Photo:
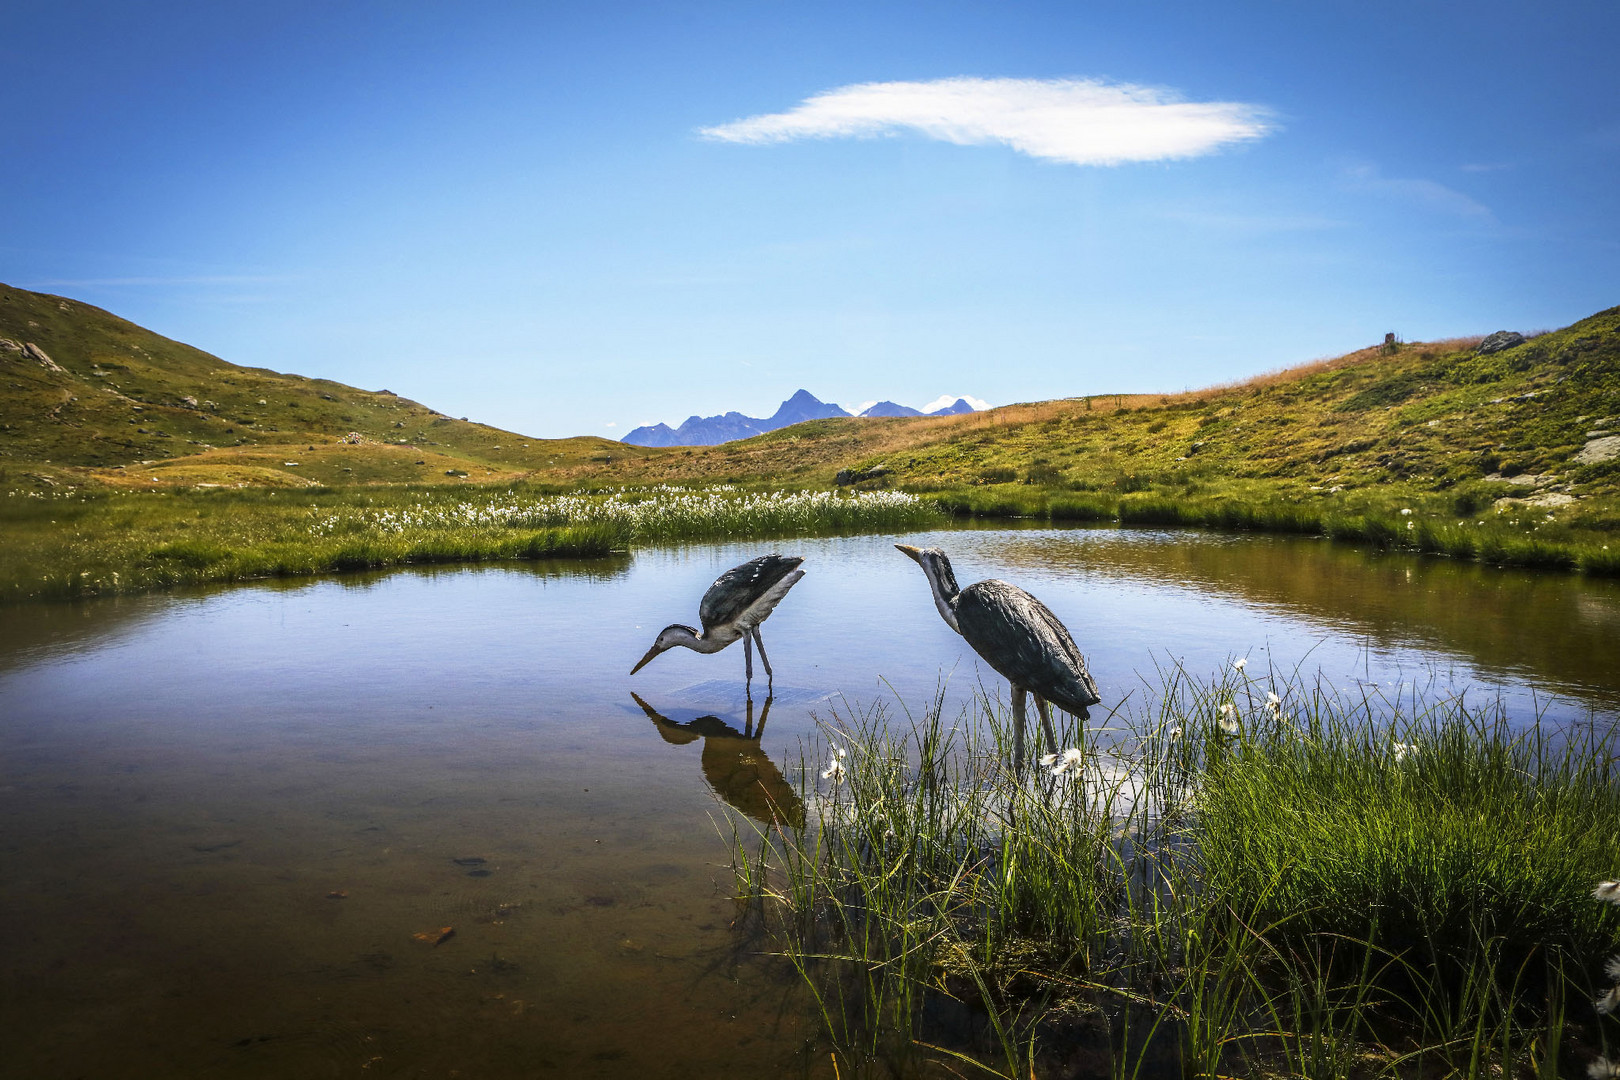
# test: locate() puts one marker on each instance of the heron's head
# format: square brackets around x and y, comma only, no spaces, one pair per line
[940,579]
[670,636]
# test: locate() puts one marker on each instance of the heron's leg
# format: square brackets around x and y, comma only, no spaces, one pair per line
[1046,722]
[1019,695]
[762,657]
[748,659]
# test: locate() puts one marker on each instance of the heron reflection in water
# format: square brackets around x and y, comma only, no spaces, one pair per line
[734,763]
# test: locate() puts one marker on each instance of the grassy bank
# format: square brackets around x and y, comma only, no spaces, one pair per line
[94,542]
[1241,878]
[1467,524]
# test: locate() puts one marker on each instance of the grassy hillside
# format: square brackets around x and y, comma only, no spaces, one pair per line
[141,461]
[1431,420]
[90,397]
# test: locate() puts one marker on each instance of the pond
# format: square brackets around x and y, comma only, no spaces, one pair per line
[424,823]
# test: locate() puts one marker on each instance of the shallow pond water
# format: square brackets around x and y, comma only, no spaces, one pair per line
[239,822]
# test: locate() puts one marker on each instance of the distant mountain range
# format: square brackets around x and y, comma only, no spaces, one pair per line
[802,406]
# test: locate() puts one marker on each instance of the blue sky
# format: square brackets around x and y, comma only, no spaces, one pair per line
[571,219]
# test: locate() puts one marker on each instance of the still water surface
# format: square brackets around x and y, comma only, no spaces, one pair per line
[236,822]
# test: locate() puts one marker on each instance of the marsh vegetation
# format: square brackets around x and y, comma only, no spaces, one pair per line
[1234,876]
[85,542]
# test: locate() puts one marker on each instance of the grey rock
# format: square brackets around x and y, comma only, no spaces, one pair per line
[846,477]
[1502,339]
[30,349]
[1602,449]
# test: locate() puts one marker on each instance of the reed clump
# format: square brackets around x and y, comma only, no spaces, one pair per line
[1236,876]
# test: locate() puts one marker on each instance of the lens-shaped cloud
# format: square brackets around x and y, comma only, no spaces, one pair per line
[1076,121]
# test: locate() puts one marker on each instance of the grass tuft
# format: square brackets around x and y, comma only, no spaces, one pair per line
[1242,876]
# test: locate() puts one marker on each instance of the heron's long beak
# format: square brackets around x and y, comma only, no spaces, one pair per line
[915,553]
[652,652]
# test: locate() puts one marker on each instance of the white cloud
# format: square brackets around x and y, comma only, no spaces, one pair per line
[950,399]
[1076,121]
[1427,193]
[611,423]
[863,406]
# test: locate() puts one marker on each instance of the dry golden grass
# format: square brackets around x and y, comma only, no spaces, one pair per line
[811,450]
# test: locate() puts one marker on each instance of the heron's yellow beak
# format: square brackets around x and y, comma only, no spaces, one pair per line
[914,553]
[652,652]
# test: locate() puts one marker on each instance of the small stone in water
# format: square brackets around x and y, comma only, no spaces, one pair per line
[437,937]
[480,872]
[471,860]
[338,894]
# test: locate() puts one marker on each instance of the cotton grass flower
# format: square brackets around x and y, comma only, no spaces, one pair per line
[1402,750]
[1240,663]
[1603,1069]
[1228,721]
[1607,891]
[1612,968]
[1069,760]
[1607,1002]
[835,767]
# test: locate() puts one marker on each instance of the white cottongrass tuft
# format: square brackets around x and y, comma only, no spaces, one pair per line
[1240,663]
[1403,749]
[1229,723]
[1603,1069]
[1070,759]
[835,768]
[660,511]
[1612,968]
[1607,1002]
[1406,513]
[1607,891]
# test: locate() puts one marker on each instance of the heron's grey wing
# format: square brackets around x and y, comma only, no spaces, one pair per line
[1021,638]
[738,588]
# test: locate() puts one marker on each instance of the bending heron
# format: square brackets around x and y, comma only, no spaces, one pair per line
[733,608]
[1018,636]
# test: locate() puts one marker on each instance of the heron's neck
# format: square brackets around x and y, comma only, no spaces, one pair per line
[709,643]
[943,585]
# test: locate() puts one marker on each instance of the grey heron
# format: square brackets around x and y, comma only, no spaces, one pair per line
[1018,636]
[732,608]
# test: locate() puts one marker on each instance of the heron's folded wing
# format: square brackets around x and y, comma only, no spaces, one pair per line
[738,588]
[1020,637]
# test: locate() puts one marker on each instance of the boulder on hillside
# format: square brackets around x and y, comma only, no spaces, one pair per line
[1502,339]
[39,354]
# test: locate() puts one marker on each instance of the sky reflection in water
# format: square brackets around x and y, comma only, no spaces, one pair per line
[187,779]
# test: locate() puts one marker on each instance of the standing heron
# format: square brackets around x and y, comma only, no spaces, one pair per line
[1018,636]
[733,608]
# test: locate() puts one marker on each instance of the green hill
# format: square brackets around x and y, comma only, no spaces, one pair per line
[143,462]
[1535,422]
[90,397]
